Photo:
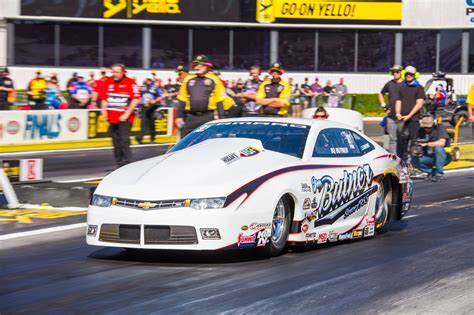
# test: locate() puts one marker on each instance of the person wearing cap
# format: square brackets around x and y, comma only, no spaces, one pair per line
[470,104]
[433,138]
[6,87]
[341,92]
[274,94]
[95,101]
[150,101]
[410,99]
[391,88]
[81,93]
[71,81]
[200,95]
[36,92]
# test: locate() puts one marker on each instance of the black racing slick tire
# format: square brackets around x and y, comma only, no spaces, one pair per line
[280,227]
[383,203]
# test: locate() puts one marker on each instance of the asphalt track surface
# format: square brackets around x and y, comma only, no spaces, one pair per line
[423,264]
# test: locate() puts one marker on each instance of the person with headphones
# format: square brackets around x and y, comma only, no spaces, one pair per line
[120,95]
[201,95]
[407,111]
[274,94]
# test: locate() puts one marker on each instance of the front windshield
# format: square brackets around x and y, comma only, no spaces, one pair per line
[279,137]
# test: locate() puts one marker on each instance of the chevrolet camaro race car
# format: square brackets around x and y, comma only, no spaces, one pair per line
[250,183]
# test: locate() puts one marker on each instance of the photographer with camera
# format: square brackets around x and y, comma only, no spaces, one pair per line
[428,154]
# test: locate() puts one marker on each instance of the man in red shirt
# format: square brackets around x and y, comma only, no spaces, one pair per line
[119,96]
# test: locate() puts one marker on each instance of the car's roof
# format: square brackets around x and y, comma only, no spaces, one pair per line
[290,120]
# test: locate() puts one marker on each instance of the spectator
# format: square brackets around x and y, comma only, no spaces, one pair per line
[391,87]
[432,138]
[81,93]
[321,113]
[296,101]
[150,101]
[407,110]
[306,93]
[92,81]
[249,93]
[470,104]
[71,80]
[341,92]
[53,95]
[439,98]
[327,91]
[95,101]
[6,87]
[170,92]
[274,95]
[36,92]
[120,95]
[316,90]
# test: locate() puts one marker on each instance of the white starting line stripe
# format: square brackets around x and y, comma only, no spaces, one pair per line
[411,216]
[90,179]
[42,231]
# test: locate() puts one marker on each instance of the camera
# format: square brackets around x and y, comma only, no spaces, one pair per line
[416,149]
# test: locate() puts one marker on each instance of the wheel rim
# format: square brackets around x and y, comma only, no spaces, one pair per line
[279,221]
[384,200]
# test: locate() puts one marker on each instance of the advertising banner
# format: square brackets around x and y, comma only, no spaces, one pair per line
[98,127]
[20,127]
[321,11]
[243,11]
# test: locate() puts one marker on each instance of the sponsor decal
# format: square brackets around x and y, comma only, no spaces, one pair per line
[314,203]
[260,226]
[263,237]
[332,237]
[244,228]
[146,205]
[345,236]
[357,206]
[305,187]
[13,127]
[369,230]
[359,233]
[230,158]
[304,227]
[207,82]
[470,10]
[307,204]
[331,194]
[312,216]
[249,151]
[311,236]
[370,220]
[73,124]
[322,238]
[246,240]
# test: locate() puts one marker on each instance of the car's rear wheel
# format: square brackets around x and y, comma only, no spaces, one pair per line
[280,227]
[383,203]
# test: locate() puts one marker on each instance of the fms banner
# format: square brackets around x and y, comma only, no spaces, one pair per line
[388,12]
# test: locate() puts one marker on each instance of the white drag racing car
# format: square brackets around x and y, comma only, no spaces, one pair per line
[252,182]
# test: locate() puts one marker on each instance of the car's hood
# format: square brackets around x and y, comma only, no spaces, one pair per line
[213,168]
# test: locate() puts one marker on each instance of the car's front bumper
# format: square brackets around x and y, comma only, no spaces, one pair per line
[179,228]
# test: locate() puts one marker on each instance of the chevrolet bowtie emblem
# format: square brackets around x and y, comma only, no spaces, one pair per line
[146,205]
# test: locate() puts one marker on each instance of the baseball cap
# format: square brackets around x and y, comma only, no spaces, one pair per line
[276,66]
[396,68]
[203,60]
[149,77]
[4,70]
[427,122]
[410,69]
[81,75]
[181,68]
[38,71]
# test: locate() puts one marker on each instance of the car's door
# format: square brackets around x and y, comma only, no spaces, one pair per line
[342,186]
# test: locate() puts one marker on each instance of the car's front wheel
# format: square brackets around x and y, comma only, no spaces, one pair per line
[383,203]
[280,227]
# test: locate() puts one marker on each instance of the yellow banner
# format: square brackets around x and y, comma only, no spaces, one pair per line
[270,10]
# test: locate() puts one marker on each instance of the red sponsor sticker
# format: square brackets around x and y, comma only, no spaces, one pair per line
[13,127]
[305,228]
[73,124]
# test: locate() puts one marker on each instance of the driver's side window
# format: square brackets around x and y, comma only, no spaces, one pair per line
[336,142]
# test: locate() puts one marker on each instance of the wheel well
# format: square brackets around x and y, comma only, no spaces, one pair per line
[395,209]
[291,201]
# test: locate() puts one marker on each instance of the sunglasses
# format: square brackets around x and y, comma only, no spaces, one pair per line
[411,74]
[320,116]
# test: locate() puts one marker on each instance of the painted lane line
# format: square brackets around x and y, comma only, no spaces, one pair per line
[42,231]
[82,149]
[411,216]
[27,206]
[79,180]
[459,170]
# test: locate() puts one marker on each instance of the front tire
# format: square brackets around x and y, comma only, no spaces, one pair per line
[280,227]
[383,203]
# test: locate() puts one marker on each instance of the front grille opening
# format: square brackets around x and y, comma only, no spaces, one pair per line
[120,233]
[171,235]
